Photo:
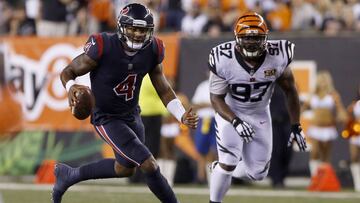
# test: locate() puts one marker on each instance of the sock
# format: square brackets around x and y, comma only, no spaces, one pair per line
[314,165]
[96,170]
[240,171]
[169,170]
[220,182]
[355,172]
[160,187]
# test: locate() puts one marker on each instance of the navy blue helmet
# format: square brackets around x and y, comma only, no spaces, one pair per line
[135,26]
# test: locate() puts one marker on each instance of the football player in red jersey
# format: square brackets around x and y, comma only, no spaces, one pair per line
[117,64]
[242,79]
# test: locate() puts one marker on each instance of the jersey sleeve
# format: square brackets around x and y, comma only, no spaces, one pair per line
[94,47]
[159,49]
[289,51]
[218,85]
[211,62]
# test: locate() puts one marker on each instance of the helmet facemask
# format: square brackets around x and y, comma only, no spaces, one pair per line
[251,35]
[135,37]
[252,46]
[135,26]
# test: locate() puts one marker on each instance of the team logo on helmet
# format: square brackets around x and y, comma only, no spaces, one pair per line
[124,11]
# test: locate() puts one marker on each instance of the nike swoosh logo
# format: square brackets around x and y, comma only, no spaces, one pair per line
[92,41]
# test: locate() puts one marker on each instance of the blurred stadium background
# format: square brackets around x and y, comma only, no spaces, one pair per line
[39,37]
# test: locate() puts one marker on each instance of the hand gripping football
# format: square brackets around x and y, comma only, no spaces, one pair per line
[86,101]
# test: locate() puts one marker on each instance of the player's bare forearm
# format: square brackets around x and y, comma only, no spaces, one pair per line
[79,66]
[287,84]
[161,85]
[219,105]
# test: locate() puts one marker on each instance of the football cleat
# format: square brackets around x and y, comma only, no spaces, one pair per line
[65,177]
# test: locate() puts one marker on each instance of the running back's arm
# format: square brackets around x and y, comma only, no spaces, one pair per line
[79,66]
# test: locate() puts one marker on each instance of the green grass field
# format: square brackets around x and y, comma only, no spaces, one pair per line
[27,193]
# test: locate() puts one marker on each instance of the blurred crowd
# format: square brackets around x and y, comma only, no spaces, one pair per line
[190,17]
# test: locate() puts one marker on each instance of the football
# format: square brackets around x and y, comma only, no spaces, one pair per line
[84,107]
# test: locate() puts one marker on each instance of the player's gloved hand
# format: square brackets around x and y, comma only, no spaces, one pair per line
[297,135]
[243,129]
[190,119]
[74,92]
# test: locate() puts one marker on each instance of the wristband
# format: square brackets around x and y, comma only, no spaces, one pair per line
[69,84]
[176,108]
[236,121]
[296,127]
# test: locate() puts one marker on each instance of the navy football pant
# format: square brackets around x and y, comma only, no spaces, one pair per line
[127,140]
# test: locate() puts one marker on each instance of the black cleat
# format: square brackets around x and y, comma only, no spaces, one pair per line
[65,177]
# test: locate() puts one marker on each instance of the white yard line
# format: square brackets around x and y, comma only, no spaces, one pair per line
[186,191]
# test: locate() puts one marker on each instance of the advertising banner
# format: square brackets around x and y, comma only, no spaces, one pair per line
[32,95]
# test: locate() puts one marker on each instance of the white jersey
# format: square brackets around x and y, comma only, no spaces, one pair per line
[248,89]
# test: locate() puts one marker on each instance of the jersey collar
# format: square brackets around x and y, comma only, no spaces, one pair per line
[243,64]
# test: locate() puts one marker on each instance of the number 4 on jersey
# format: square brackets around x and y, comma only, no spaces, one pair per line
[126,87]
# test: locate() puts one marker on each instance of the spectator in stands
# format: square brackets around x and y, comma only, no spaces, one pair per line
[215,25]
[194,21]
[102,16]
[232,8]
[32,13]
[154,6]
[354,132]
[78,18]
[5,17]
[334,21]
[52,20]
[327,108]
[279,17]
[205,133]
[304,16]
[174,13]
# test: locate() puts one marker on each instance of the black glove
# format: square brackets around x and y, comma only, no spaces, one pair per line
[243,129]
[298,136]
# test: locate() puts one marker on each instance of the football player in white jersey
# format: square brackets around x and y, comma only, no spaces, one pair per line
[242,79]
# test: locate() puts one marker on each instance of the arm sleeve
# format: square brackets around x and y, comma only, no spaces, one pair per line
[218,85]
[94,47]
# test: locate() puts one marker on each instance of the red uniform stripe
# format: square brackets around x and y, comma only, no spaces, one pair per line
[103,134]
[100,42]
[160,46]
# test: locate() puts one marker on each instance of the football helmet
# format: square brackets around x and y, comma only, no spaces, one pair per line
[135,26]
[251,35]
